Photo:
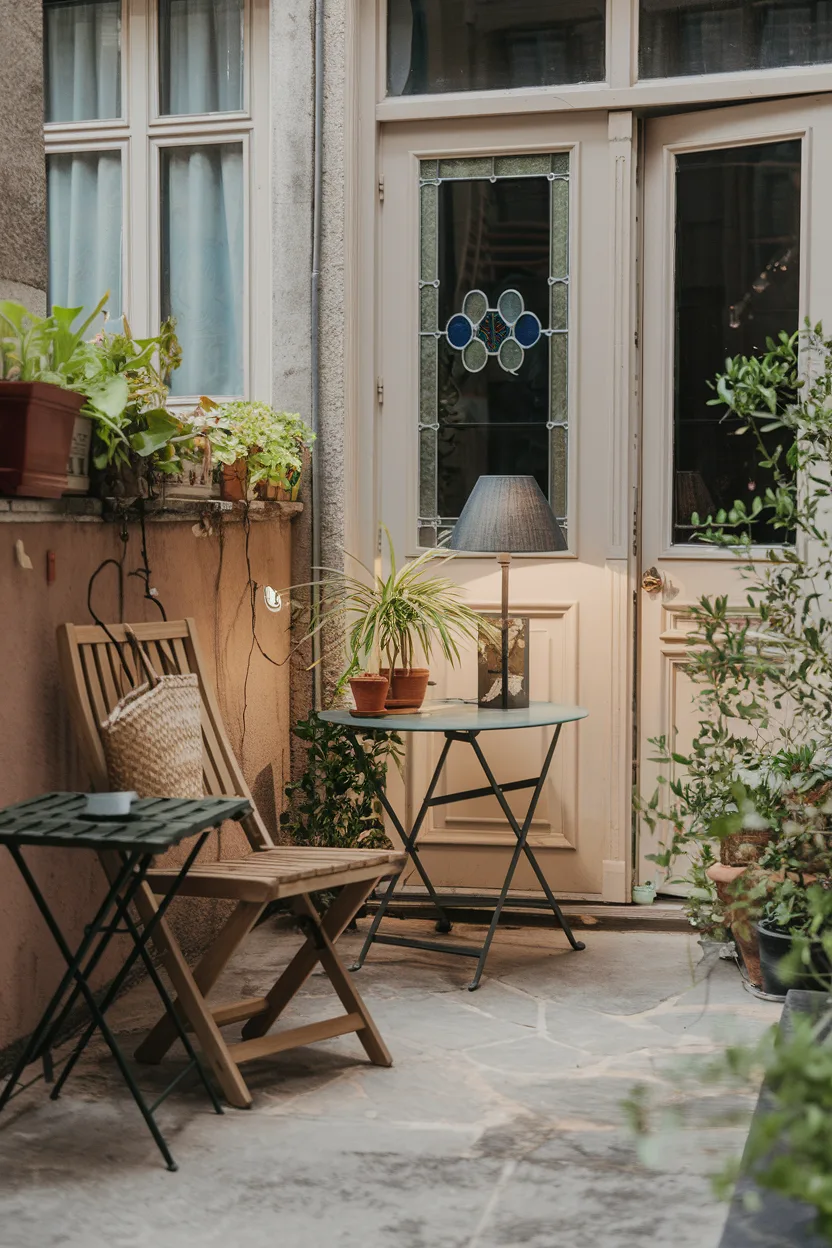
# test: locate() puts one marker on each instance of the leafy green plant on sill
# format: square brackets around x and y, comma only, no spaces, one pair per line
[270,442]
[122,378]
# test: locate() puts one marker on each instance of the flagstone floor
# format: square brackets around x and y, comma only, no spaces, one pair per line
[499,1126]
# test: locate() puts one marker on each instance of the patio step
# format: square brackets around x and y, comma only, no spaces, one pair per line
[530,910]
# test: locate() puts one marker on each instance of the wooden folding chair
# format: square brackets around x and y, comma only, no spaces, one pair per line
[93,667]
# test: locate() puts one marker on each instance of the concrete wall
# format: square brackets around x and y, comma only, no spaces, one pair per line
[203,577]
[23,260]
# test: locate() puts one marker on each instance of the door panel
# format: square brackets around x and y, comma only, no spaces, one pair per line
[734,250]
[477,217]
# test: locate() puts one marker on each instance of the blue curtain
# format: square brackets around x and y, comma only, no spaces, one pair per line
[202,264]
[85,230]
[201,56]
[82,56]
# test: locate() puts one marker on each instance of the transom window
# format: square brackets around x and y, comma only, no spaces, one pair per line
[149,185]
[494,304]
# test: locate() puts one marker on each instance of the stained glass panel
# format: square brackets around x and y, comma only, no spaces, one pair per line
[493,309]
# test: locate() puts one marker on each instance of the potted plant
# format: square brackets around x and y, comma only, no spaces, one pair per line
[410,610]
[38,412]
[115,381]
[259,448]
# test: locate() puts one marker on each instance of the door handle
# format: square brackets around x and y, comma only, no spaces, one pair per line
[652,581]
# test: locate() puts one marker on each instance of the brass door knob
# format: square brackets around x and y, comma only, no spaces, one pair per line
[652,581]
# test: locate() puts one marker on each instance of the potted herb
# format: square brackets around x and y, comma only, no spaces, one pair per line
[38,412]
[259,448]
[411,610]
[116,381]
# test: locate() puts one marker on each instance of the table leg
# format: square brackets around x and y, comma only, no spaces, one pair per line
[136,952]
[40,1040]
[95,1010]
[410,848]
[522,846]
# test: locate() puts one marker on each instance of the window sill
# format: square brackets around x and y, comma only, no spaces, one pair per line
[94,511]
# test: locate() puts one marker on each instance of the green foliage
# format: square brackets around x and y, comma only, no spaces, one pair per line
[271,442]
[763,673]
[393,615]
[123,378]
[334,803]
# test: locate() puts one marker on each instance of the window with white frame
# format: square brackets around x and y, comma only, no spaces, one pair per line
[154,115]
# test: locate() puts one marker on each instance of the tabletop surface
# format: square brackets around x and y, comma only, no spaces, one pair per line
[153,825]
[461,717]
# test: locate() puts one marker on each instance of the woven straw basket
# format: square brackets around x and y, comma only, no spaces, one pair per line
[152,738]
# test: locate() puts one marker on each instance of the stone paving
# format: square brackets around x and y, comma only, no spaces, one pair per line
[499,1126]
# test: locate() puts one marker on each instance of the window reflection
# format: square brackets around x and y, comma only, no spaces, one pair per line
[737,283]
[716,37]
[487,45]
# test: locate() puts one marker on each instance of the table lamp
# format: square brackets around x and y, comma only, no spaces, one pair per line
[507,516]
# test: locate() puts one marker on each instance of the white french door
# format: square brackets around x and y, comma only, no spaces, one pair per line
[495,218]
[736,247]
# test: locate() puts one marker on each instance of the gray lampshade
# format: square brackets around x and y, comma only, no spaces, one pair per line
[508,514]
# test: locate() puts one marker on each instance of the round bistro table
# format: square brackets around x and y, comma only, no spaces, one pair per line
[463,722]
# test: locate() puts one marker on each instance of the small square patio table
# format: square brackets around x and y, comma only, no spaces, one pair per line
[128,844]
[463,722]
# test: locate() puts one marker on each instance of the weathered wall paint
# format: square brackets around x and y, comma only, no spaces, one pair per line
[201,577]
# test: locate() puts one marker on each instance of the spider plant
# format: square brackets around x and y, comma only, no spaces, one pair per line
[413,608]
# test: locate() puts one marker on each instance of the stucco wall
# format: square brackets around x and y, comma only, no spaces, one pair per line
[202,577]
[22,165]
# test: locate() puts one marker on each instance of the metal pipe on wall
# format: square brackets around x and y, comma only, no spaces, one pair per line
[314,416]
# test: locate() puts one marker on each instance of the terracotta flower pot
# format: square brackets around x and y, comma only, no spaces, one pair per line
[369,693]
[36,425]
[233,483]
[740,921]
[408,687]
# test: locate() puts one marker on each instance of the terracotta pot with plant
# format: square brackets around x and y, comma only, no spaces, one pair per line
[259,449]
[387,620]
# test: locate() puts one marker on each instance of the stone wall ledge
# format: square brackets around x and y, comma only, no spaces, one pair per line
[94,511]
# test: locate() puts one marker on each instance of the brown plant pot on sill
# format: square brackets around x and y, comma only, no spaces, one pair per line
[272,493]
[233,483]
[369,693]
[36,424]
[408,687]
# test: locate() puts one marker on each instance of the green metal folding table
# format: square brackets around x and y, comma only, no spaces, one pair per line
[59,821]
[464,722]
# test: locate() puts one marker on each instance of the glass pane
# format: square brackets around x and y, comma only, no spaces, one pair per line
[82,60]
[737,283]
[480,45]
[493,374]
[678,37]
[202,264]
[200,56]
[85,230]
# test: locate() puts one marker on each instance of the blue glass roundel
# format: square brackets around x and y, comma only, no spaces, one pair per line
[460,331]
[527,329]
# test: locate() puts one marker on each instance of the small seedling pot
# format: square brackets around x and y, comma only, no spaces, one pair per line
[369,693]
[644,894]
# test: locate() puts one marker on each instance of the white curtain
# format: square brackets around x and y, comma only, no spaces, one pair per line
[202,264]
[85,230]
[83,60]
[202,56]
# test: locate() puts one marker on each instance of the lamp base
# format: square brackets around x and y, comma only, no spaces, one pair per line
[490,666]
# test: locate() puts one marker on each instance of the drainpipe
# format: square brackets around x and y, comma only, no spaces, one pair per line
[317,215]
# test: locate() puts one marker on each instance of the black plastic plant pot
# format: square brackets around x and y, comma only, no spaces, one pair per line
[774,946]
